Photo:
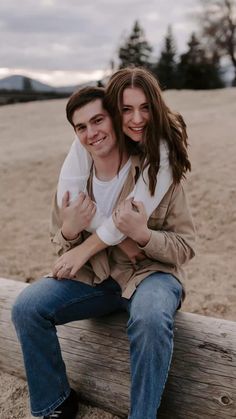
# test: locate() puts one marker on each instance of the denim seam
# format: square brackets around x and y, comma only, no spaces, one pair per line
[167,375]
[52,407]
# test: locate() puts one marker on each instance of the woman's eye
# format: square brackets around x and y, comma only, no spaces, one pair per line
[145,108]
[124,109]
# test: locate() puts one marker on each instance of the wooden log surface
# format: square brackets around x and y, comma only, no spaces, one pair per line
[202,379]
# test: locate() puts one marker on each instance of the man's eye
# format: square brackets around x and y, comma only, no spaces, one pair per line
[80,129]
[98,120]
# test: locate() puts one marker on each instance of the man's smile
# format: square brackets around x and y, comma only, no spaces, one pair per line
[97,142]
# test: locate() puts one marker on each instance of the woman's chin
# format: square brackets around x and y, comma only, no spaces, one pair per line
[136,138]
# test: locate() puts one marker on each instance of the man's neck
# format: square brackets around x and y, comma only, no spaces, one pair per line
[106,167]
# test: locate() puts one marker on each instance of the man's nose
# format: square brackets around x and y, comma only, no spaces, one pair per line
[91,131]
[137,116]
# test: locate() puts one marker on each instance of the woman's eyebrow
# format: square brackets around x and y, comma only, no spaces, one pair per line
[130,106]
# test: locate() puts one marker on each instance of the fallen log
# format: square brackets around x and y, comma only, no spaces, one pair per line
[202,379]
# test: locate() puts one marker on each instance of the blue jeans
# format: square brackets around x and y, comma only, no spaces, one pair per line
[49,302]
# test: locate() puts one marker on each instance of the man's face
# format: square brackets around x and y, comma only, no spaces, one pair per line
[94,128]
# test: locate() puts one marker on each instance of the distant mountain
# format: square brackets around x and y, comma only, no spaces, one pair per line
[22,83]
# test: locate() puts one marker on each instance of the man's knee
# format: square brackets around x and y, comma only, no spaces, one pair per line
[154,304]
[150,320]
[22,307]
[27,305]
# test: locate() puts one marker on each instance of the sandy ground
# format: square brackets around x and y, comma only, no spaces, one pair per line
[34,140]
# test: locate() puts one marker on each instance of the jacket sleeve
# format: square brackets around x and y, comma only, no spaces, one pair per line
[57,239]
[174,242]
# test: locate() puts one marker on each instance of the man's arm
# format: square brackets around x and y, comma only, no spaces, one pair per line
[69,263]
[175,245]
[67,224]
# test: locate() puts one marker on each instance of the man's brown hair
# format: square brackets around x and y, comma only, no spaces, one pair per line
[82,98]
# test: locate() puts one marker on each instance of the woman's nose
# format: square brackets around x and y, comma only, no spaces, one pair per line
[137,116]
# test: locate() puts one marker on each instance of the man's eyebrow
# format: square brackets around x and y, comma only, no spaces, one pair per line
[96,116]
[82,124]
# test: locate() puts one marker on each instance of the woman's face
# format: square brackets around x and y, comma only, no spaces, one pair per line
[135,113]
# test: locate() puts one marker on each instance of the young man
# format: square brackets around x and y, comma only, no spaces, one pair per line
[149,290]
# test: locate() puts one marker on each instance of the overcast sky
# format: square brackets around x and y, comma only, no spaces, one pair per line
[70,41]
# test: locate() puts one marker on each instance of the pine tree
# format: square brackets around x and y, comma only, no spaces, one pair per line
[197,70]
[136,50]
[217,21]
[166,67]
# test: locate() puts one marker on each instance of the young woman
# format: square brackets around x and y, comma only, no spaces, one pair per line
[140,116]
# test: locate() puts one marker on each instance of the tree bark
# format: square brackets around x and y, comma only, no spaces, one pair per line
[202,378]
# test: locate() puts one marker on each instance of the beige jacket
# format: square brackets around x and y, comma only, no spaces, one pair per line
[170,247]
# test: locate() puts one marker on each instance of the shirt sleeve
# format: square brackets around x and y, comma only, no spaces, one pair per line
[164,181]
[74,173]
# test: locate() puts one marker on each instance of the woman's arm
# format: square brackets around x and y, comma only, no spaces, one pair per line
[73,178]
[108,232]
[74,175]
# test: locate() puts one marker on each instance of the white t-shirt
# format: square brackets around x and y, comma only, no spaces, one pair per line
[106,193]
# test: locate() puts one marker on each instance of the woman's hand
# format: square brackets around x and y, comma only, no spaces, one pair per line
[77,216]
[130,218]
[70,263]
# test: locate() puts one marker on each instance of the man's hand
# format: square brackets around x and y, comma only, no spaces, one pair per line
[131,219]
[77,216]
[130,248]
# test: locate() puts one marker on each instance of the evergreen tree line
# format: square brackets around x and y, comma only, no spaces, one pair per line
[197,68]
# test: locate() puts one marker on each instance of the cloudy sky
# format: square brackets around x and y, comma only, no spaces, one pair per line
[71,41]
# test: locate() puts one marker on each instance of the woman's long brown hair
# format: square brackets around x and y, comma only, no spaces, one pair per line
[163,123]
